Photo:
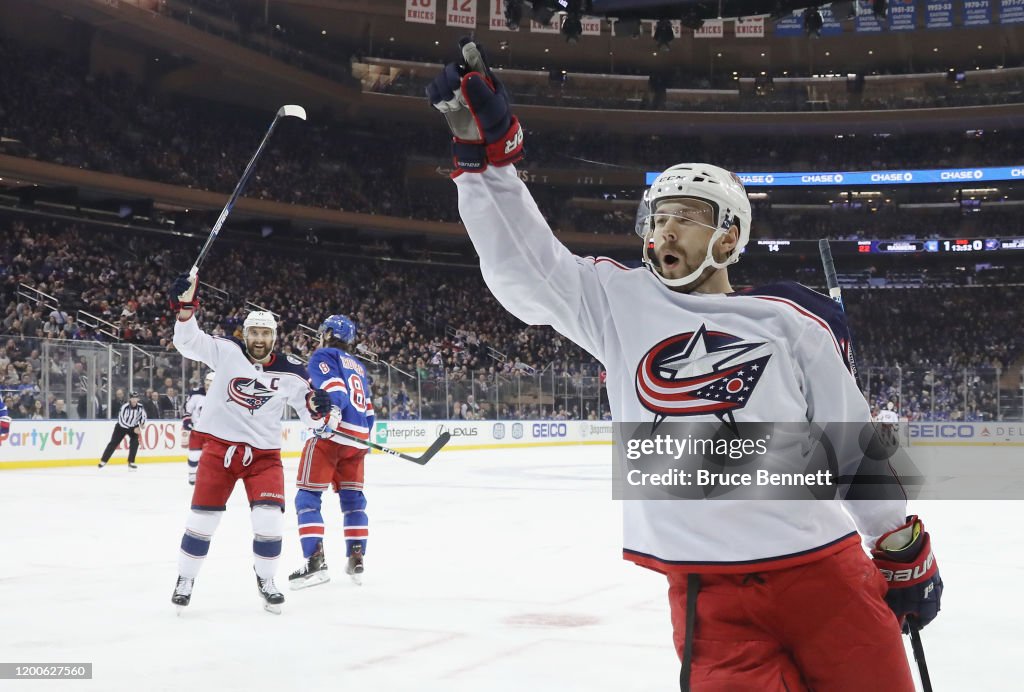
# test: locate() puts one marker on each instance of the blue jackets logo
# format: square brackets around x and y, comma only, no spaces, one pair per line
[498,431]
[549,430]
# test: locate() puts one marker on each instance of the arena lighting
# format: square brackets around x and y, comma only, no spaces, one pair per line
[663,33]
[813,22]
[513,14]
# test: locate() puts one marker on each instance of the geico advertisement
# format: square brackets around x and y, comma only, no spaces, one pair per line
[979,433]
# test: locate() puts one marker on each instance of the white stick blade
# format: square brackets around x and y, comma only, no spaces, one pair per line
[293,111]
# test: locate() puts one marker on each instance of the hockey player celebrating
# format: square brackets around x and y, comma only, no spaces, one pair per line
[241,425]
[194,409]
[767,595]
[329,460]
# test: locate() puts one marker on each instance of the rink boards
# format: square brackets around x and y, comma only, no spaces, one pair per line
[44,443]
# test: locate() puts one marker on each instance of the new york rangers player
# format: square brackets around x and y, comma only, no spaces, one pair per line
[5,421]
[241,425]
[764,594]
[193,410]
[331,461]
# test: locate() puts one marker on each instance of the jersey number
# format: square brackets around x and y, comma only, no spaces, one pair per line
[356,394]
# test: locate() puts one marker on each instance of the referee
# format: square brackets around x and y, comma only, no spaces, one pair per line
[129,422]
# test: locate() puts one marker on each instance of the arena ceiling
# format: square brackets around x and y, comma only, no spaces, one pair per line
[379,26]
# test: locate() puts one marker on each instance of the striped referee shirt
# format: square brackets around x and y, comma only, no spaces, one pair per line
[131,416]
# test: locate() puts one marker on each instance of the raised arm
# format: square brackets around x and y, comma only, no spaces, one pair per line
[530,273]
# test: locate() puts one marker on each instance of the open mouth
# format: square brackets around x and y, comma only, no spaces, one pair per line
[669,261]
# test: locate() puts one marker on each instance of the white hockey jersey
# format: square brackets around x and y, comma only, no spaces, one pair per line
[625,318]
[246,401]
[194,406]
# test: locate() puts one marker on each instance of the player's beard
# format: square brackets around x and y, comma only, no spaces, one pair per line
[259,351]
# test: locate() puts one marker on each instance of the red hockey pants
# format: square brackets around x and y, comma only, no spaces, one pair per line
[821,627]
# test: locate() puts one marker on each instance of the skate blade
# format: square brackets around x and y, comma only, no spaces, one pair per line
[311,580]
[179,609]
[272,608]
[357,578]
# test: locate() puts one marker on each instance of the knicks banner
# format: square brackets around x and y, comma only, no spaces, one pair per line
[749,27]
[549,28]
[712,28]
[421,11]
[591,25]
[497,19]
[461,13]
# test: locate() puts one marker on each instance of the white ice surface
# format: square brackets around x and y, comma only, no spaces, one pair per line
[486,571]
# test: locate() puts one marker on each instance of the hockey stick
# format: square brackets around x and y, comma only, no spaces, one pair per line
[918,647]
[282,112]
[422,459]
[834,291]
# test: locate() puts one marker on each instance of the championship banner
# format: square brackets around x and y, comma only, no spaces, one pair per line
[793,25]
[902,15]
[977,12]
[831,26]
[867,22]
[749,27]
[421,11]
[712,28]
[1011,11]
[591,25]
[938,15]
[790,25]
[461,13]
[497,21]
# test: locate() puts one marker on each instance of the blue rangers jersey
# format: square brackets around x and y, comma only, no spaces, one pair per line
[5,419]
[344,379]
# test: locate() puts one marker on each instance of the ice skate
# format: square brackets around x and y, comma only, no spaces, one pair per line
[101,464]
[182,592]
[191,476]
[312,573]
[355,565]
[272,598]
[132,465]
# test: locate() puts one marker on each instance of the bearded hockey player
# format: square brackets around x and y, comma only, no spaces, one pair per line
[241,427]
[764,594]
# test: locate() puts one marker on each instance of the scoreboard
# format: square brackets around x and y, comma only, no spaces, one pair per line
[872,247]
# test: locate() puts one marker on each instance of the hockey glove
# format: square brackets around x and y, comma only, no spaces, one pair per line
[183,293]
[477,108]
[904,556]
[319,403]
[186,423]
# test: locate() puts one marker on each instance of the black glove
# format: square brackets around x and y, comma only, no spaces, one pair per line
[477,108]
[905,558]
[319,403]
[183,292]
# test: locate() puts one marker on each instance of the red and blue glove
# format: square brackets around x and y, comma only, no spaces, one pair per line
[905,557]
[478,111]
[183,293]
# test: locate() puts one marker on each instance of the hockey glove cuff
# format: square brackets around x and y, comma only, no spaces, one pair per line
[905,558]
[183,293]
